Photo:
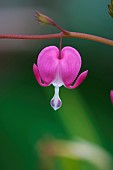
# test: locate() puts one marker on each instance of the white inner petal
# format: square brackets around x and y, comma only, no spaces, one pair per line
[58,81]
[56,101]
[56,95]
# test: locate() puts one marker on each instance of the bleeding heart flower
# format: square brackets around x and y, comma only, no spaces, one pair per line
[111,96]
[58,68]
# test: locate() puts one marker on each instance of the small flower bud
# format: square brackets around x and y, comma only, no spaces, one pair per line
[43,18]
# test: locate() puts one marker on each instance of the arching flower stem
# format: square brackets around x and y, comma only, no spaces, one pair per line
[59,35]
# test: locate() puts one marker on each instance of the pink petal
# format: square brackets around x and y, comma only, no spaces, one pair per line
[37,75]
[69,65]
[111,96]
[47,63]
[79,80]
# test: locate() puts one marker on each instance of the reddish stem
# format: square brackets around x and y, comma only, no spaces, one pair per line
[60,47]
[31,37]
[59,35]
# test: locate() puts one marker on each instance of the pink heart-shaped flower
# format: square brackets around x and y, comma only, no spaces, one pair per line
[59,68]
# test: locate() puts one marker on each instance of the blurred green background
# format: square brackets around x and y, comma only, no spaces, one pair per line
[25,113]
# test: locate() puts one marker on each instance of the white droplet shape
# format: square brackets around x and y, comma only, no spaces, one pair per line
[56,101]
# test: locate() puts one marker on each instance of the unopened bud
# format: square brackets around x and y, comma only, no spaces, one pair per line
[43,18]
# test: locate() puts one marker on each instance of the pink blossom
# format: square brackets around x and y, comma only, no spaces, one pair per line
[111,96]
[59,68]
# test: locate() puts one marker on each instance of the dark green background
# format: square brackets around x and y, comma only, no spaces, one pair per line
[25,114]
